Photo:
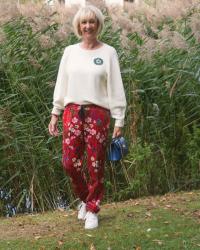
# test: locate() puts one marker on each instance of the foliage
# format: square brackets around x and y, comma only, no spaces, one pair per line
[162,124]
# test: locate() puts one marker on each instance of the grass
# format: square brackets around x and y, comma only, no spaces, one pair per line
[160,222]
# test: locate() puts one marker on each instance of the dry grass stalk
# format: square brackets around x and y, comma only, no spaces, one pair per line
[2,36]
[160,9]
[173,38]
[8,10]
[133,19]
[195,25]
[47,16]
[46,41]
[168,39]
[99,4]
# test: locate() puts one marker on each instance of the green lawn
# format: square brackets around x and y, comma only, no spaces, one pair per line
[162,222]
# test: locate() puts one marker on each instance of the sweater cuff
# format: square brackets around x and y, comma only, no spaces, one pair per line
[56,111]
[119,122]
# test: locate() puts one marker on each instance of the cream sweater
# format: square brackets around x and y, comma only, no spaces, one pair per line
[90,77]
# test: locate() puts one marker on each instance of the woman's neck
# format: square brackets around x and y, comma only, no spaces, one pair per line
[90,44]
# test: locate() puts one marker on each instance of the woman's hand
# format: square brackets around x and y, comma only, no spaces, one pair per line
[53,129]
[117,132]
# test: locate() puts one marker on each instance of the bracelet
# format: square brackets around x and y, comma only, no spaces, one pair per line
[54,115]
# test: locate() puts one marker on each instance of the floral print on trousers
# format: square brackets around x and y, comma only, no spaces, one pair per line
[85,134]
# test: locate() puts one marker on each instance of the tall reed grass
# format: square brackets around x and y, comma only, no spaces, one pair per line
[163,114]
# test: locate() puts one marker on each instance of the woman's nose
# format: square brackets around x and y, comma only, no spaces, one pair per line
[87,25]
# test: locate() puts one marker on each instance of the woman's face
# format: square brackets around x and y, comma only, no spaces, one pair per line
[88,27]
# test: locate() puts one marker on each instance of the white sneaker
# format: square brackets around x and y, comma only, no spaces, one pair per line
[82,211]
[91,220]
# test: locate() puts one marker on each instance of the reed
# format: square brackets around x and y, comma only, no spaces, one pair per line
[161,75]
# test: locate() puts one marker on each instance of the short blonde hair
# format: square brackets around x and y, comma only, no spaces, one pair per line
[87,12]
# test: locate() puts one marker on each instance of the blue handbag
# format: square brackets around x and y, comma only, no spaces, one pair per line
[117,149]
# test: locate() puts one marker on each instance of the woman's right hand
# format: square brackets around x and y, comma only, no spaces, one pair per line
[53,128]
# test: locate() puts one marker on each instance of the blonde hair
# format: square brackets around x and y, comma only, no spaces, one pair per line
[87,12]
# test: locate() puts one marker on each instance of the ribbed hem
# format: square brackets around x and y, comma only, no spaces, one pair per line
[56,111]
[119,122]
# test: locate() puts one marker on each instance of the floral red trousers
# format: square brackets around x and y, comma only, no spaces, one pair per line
[85,134]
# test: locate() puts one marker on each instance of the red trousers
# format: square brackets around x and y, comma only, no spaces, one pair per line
[85,134]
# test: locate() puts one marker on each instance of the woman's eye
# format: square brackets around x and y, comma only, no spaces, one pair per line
[92,21]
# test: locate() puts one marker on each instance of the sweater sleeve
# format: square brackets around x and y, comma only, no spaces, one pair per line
[115,89]
[61,85]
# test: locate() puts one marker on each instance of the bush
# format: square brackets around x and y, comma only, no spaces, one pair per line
[162,124]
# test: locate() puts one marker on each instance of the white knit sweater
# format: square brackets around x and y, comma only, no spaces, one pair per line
[90,77]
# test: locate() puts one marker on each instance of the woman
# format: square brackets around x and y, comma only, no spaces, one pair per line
[89,89]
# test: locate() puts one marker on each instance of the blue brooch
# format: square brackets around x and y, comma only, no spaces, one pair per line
[98,61]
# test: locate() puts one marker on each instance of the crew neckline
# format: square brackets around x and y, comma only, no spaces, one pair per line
[90,50]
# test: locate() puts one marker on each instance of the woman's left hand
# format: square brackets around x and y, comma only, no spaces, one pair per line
[117,132]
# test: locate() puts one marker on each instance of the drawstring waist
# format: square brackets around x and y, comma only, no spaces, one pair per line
[83,109]
[81,112]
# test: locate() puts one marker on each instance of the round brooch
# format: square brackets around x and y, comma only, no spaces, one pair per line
[98,61]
